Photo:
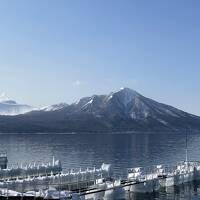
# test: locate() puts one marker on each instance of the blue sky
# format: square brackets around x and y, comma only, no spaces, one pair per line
[58,51]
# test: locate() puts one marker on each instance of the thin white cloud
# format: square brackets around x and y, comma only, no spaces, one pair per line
[77,83]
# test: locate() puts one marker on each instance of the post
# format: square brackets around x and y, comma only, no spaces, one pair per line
[186,150]
[7,190]
[53,163]
[34,185]
[59,182]
[77,181]
[23,188]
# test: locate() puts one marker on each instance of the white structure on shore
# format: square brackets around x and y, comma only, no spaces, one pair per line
[48,180]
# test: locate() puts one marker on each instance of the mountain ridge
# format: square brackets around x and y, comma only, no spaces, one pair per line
[121,111]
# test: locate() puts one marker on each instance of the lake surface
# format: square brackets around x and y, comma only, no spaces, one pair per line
[122,151]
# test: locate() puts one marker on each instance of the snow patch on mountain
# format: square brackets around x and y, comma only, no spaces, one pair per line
[162,121]
[89,102]
[54,107]
[110,97]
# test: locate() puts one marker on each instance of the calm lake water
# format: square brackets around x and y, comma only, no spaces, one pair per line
[122,151]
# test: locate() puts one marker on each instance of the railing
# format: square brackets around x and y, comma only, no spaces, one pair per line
[159,170]
[73,180]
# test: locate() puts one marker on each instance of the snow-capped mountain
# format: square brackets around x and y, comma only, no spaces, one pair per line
[123,110]
[11,107]
[127,104]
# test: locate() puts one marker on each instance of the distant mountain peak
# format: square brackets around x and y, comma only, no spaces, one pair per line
[125,95]
[127,90]
[11,107]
